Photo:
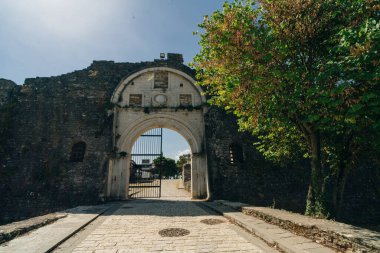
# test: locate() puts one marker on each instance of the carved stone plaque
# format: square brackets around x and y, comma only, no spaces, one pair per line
[161,79]
[135,99]
[185,100]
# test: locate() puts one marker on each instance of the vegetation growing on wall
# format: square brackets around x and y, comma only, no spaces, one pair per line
[302,76]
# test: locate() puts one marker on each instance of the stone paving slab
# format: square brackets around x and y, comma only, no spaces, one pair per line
[135,227]
[343,237]
[14,229]
[47,237]
[272,234]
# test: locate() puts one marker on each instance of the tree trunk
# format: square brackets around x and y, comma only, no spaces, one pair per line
[339,187]
[315,203]
[342,174]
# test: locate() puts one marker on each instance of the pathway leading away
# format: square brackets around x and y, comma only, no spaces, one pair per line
[172,223]
[136,226]
[140,225]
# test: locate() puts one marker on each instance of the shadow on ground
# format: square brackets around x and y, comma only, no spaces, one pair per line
[156,207]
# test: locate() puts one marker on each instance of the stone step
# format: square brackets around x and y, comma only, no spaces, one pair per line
[48,237]
[14,229]
[271,234]
[337,235]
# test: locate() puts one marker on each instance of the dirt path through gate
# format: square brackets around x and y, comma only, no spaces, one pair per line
[171,188]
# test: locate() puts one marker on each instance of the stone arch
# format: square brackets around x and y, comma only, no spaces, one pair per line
[124,83]
[131,122]
[131,134]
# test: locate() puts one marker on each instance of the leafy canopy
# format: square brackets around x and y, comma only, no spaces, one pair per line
[288,68]
[167,166]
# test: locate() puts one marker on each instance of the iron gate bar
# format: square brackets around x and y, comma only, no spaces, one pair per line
[146,155]
[144,182]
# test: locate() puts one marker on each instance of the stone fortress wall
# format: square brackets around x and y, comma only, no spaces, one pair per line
[44,118]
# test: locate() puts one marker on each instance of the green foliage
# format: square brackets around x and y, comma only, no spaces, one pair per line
[167,165]
[183,159]
[303,76]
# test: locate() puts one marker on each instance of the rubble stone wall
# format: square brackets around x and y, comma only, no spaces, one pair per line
[42,120]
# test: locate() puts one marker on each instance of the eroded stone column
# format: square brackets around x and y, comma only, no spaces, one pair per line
[198,176]
[118,178]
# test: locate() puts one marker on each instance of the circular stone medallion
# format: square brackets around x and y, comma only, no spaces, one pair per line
[160,99]
[211,221]
[173,232]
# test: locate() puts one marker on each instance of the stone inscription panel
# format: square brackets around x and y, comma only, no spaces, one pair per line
[185,100]
[161,79]
[135,99]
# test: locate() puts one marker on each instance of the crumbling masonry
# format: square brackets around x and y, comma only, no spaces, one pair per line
[59,143]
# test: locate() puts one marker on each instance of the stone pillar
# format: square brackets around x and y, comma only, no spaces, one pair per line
[198,176]
[109,179]
[125,174]
[118,178]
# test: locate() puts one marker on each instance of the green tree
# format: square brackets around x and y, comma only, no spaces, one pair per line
[354,128]
[167,166]
[300,75]
[183,159]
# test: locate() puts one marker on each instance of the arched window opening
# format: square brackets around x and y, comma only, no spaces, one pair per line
[236,153]
[77,152]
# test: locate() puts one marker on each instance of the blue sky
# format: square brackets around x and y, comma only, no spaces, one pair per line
[53,37]
[173,144]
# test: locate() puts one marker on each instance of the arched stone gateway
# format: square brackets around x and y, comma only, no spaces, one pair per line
[158,97]
[63,144]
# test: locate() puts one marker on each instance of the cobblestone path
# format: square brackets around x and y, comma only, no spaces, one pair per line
[135,225]
[135,228]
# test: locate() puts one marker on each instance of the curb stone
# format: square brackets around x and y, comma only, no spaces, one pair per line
[47,238]
[14,229]
[340,236]
[271,234]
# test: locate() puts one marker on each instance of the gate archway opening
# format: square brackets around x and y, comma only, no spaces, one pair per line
[156,169]
[157,97]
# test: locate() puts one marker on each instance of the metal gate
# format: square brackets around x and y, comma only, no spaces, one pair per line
[145,176]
